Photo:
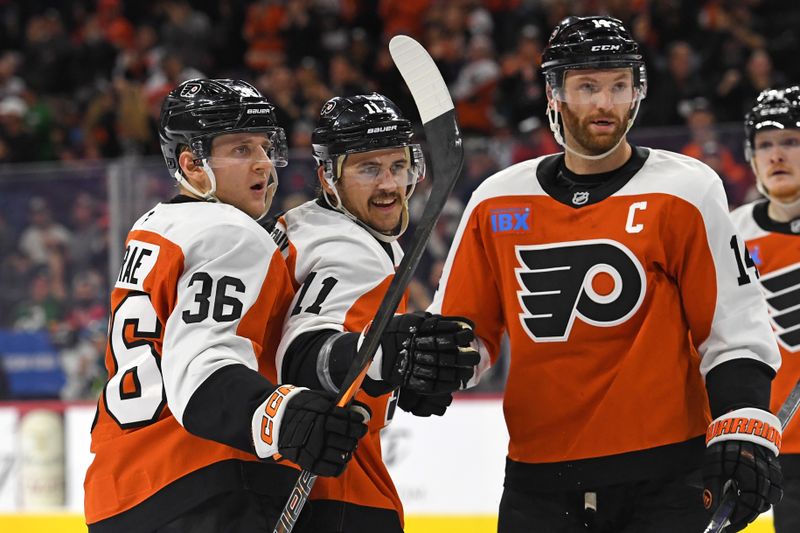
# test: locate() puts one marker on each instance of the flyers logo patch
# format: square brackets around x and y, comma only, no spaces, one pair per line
[601,282]
[190,89]
[783,296]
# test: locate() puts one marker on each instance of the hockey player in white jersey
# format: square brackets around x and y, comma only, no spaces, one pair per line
[192,422]
[342,251]
[771,230]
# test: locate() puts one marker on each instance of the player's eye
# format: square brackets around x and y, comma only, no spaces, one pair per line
[791,142]
[763,145]
[370,171]
[587,87]
[399,167]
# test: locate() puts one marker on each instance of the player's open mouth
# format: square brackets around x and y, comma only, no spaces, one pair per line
[384,203]
[258,186]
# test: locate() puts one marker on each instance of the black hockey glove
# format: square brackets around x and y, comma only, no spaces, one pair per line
[307,428]
[424,404]
[742,457]
[426,353]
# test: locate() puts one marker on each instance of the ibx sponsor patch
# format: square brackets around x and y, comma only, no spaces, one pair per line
[510,219]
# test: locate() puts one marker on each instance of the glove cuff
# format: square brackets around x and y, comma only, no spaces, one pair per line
[376,366]
[747,424]
[267,420]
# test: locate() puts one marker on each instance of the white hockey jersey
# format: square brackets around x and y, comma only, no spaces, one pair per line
[202,288]
[341,273]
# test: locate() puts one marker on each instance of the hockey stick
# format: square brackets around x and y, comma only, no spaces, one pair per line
[721,518]
[447,157]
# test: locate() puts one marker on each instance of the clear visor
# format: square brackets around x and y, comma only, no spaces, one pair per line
[786,140]
[406,169]
[272,150]
[583,86]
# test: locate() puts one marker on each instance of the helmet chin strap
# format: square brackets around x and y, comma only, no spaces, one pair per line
[383,237]
[555,127]
[210,194]
[271,189]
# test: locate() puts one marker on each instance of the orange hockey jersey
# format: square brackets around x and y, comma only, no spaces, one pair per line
[200,297]
[775,249]
[343,273]
[617,299]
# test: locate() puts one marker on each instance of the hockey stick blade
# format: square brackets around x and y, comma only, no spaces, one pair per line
[446,157]
[722,515]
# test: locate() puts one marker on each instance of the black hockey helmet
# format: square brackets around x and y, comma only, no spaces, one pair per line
[198,110]
[597,42]
[361,123]
[774,109]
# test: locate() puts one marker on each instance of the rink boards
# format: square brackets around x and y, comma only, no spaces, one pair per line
[448,471]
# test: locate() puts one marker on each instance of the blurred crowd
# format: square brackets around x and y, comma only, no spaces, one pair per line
[83,81]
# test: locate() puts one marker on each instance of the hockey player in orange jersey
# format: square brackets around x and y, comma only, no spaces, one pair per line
[771,230]
[632,315]
[342,252]
[191,422]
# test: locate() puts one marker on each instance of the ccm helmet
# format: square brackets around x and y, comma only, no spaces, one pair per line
[597,42]
[363,123]
[198,110]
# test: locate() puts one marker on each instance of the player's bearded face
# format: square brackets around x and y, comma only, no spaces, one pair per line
[596,131]
[596,108]
[776,158]
[373,187]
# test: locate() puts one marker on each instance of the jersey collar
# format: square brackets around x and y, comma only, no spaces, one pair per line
[761,216]
[575,190]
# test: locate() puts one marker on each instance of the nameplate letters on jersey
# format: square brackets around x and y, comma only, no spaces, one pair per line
[140,258]
[510,219]
[783,296]
[281,239]
[601,282]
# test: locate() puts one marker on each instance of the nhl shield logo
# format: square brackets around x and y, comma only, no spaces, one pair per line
[328,107]
[190,89]
[580,198]
[794,225]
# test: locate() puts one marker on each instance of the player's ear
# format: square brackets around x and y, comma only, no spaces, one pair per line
[322,181]
[192,171]
[551,102]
